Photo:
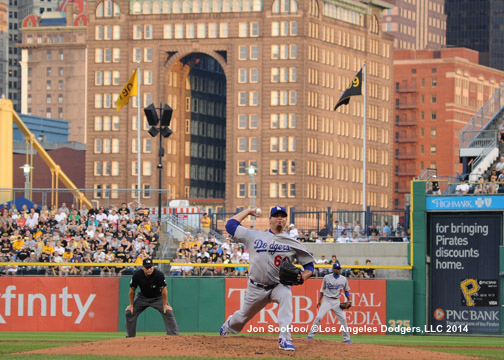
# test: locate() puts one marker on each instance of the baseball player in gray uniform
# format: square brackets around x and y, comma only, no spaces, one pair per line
[331,291]
[267,249]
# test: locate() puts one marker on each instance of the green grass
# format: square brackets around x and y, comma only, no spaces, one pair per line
[15,342]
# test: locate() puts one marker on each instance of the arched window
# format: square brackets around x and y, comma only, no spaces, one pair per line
[107,9]
[227,6]
[167,6]
[156,7]
[236,5]
[217,6]
[196,6]
[314,9]
[137,8]
[186,7]
[247,5]
[147,7]
[177,7]
[207,6]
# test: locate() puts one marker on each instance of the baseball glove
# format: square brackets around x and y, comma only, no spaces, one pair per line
[289,274]
[345,305]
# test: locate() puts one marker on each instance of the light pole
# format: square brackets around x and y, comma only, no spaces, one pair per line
[27,168]
[253,191]
[41,137]
[164,132]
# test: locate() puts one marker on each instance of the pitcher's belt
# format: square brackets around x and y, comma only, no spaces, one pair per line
[265,287]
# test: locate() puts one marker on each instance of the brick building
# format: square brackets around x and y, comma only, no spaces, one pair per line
[54,66]
[251,83]
[417,25]
[436,94]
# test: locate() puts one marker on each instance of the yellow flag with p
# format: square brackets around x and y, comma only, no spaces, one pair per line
[130,89]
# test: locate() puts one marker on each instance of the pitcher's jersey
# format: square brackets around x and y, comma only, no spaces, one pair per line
[332,287]
[266,254]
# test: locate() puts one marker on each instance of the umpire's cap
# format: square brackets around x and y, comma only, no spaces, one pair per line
[336,265]
[278,209]
[147,263]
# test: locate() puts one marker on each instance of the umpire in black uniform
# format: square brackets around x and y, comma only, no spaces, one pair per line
[152,293]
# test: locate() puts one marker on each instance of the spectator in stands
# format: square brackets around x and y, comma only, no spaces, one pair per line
[404,236]
[356,273]
[436,189]
[374,237]
[322,261]
[462,188]
[480,187]
[11,269]
[369,273]
[493,186]
[338,229]
[500,165]
[205,225]
[343,238]
[293,232]
[386,229]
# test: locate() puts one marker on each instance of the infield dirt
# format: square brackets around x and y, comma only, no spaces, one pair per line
[241,346]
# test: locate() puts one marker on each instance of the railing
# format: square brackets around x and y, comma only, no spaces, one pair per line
[490,146]
[481,119]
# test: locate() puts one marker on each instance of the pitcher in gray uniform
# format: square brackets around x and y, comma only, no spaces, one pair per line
[331,292]
[267,249]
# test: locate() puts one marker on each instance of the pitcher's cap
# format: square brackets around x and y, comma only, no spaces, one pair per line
[277,209]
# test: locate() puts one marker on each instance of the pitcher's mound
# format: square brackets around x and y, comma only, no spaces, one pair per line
[242,346]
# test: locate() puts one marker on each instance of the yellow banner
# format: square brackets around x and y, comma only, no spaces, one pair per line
[130,89]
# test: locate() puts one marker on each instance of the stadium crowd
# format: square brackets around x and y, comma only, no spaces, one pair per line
[68,235]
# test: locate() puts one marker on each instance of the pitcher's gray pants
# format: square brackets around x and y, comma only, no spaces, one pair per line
[139,305]
[255,300]
[328,304]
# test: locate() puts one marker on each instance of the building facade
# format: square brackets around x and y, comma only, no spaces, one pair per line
[18,10]
[54,68]
[477,25]
[416,24]
[436,94]
[250,83]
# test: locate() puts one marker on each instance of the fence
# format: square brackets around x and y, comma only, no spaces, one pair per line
[322,222]
[105,197]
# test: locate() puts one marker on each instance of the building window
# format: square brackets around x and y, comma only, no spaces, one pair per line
[241,190]
[433,82]
[433,99]
[433,115]
[433,132]
[433,149]
[242,144]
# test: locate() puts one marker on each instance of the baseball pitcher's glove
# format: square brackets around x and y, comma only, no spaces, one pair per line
[289,274]
[345,305]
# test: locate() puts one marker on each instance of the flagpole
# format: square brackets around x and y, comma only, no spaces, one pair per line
[138,136]
[364,90]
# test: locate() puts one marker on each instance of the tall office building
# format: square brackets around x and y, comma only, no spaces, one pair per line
[477,25]
[250,83]
[436,94]
[18,10]
[54,66]
[416,24]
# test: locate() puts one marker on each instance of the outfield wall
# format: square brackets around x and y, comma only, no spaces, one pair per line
[200,305]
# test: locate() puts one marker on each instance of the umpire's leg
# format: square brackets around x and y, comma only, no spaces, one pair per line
[139,305]
[169,319]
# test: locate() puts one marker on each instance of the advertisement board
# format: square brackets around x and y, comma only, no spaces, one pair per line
[465,272]
[58,304]
[367,315]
